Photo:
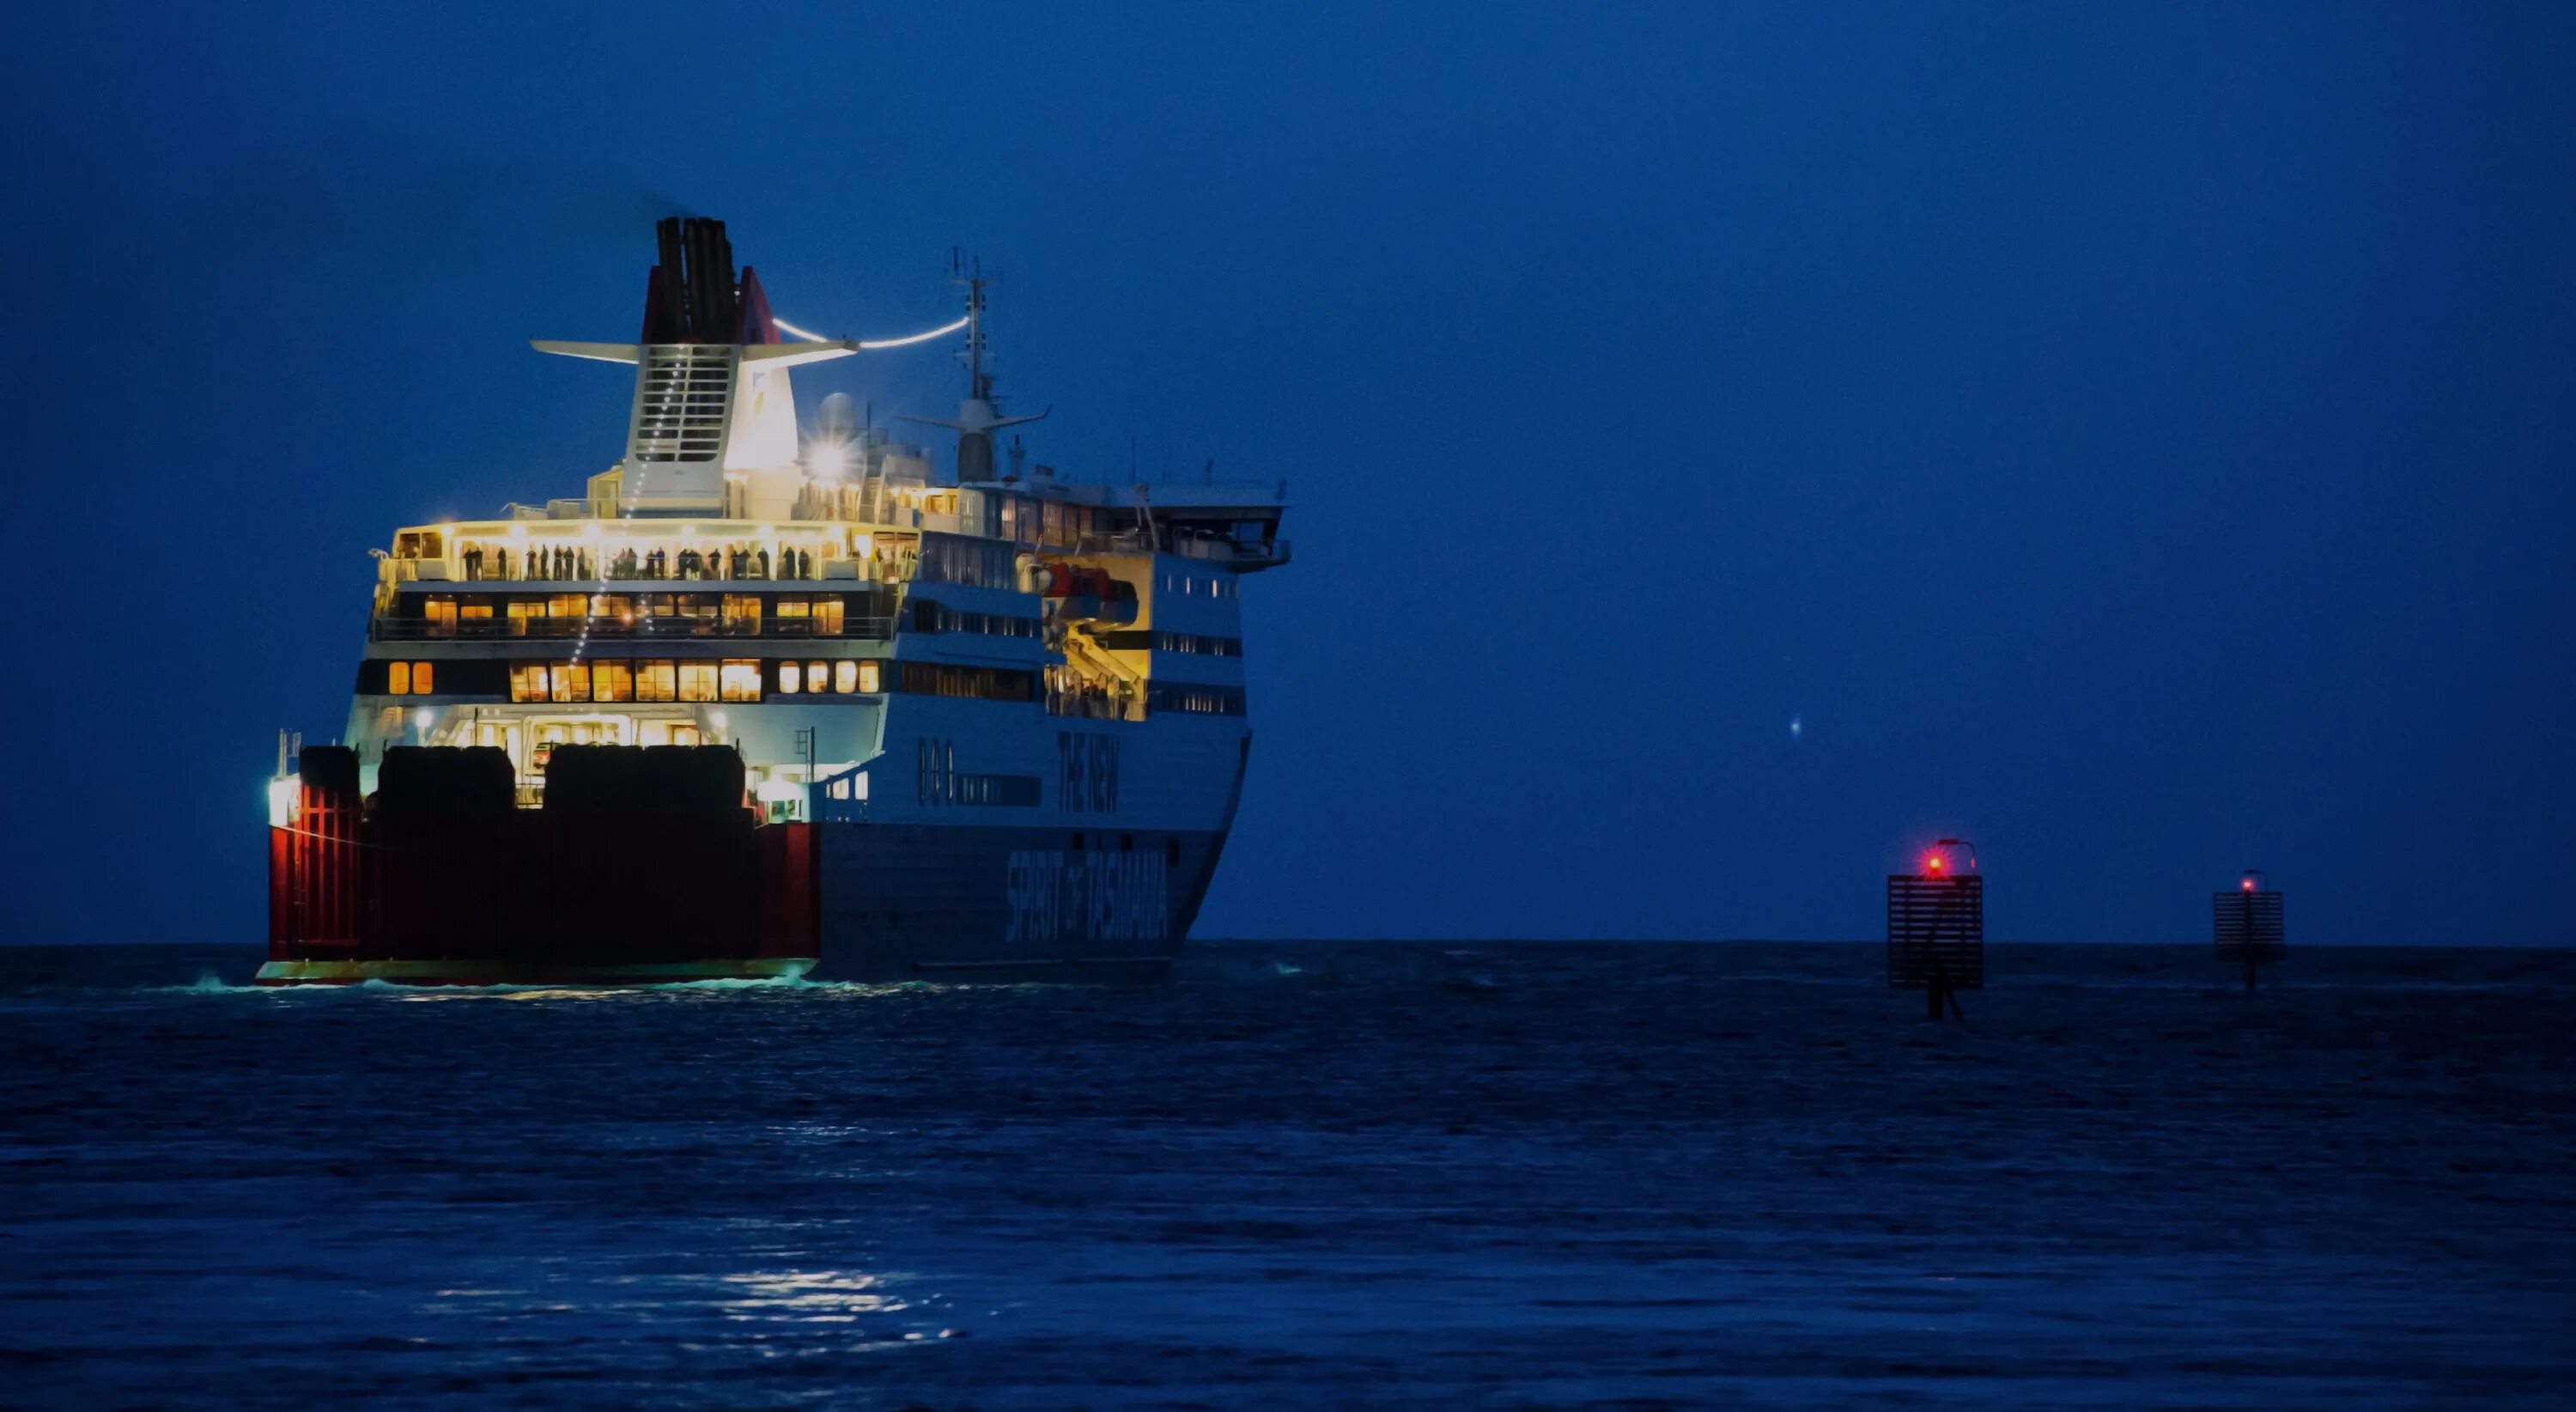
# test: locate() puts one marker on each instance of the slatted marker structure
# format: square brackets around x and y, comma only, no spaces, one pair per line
[1936,927]
[2246,924]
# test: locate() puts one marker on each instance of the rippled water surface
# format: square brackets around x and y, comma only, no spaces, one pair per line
[1302,1174]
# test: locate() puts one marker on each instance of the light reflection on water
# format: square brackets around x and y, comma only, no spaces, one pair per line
[1421,1175]
[819,1297]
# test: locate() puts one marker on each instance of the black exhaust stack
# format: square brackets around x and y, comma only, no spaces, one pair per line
[691,296]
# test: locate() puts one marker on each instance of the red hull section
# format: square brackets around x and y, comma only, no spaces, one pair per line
[625,892]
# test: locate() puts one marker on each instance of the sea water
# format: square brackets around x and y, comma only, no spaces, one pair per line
[1348,1174]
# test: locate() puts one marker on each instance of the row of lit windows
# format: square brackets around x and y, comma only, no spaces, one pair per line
[931,616]
[618,679]
[614,679]
[847,677]
[1184,696]
[1199,585]
[738,612]
[1138,640]
[983,683]
[977,563]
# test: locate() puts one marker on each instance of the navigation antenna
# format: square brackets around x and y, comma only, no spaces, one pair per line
[971,278]
[980,414]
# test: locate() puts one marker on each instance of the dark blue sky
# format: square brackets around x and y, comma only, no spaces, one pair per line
[2136,437]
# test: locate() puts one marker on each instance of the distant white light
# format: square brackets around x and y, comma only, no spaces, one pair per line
[1797,727]
[426,717]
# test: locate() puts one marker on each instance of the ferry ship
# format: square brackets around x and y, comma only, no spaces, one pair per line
[773,698]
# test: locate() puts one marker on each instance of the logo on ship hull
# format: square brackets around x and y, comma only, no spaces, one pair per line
[1058,896]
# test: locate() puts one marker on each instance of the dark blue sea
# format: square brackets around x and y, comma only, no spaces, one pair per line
[1621,1175]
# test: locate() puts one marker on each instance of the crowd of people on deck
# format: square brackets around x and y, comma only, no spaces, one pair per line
[1072,694]
[570,562]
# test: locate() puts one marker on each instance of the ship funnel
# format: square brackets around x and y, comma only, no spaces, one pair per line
[712,399]
[692,295]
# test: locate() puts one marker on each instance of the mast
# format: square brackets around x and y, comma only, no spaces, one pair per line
[979,415]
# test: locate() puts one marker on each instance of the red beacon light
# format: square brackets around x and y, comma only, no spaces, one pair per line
[1941,860]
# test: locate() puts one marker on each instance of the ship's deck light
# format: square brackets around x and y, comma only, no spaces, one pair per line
[283,796]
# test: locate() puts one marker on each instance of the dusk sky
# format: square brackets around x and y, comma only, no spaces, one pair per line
[1729,446]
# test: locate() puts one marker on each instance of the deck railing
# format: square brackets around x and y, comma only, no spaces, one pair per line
[865,629]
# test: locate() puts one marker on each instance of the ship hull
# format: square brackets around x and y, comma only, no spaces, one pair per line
[850,901]
[967,903]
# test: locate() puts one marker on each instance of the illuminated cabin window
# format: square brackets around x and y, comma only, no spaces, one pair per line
[697,681]
[613,607]
[791,678]
[845,677]
[656,681]
[742,614]
[440,612]
[570,682]
[741,680]
[793,615]
[476,610]
[871,677]
[827,616]
[567,605]
[521,610]
[527,681]
[612,681]
[818,676]
[420,678]
[398,678]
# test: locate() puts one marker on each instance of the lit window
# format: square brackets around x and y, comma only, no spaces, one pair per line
[441,613]
[741,680]
[685,733]
[697,681]
[612,681]
[845,676]
[398,678]
[815,675]
[790,608]
[571,683]
[527,681]
[791,678]
[742,614]
[870,679]
[419,678]
[827,616]
[655,681]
